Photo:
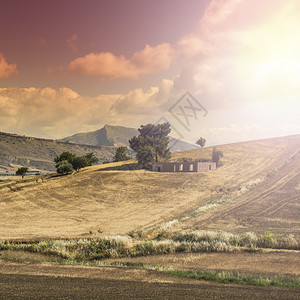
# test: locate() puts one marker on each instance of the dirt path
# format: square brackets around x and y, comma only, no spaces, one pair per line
[36,281]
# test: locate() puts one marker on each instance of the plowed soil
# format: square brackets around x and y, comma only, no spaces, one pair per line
[47,281]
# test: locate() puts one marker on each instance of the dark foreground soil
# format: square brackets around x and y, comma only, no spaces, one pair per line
[49,281]
[39,286]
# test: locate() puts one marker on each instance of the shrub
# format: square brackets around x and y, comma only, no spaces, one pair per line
[68,162]
[64,167]
[267,240]
[121,154]
[22,171]
[289,242]
[185,237]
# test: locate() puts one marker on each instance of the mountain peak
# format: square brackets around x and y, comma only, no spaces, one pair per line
[115,135]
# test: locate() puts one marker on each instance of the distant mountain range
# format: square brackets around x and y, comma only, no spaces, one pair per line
[118,136]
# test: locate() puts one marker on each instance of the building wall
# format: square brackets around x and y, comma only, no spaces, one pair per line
[206,166]
[194,166]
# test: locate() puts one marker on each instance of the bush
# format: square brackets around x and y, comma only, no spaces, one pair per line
[68,162]
[22,171]
[64,167]
[121,154]
[289,242]
[267,240]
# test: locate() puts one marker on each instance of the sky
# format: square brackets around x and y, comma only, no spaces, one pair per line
[227,70]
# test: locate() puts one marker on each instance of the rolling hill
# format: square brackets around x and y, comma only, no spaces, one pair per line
[36,153]
[118,136]
[256,189]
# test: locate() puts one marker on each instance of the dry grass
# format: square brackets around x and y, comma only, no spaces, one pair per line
[256,190]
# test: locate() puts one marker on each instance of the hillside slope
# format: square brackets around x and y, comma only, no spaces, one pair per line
[256,189]
[118,136]
[39,153]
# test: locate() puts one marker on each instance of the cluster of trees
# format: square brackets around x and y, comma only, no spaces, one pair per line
[68,162]
[151,144]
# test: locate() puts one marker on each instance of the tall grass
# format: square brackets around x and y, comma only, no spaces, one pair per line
[236,278]
[125,246]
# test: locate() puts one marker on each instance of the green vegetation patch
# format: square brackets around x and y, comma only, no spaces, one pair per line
[236,278]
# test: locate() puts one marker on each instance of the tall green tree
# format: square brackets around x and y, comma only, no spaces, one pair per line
[152,143]
[121,154]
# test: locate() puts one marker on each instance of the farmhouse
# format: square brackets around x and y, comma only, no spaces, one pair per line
[193,166]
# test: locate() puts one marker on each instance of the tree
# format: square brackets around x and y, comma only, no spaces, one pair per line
[146,156]
[216,155]
[201,142]
[22,171]
[152,143]
[64,167]
[68,162]
[121,154]
[79,162]
[91,159]
[64,156]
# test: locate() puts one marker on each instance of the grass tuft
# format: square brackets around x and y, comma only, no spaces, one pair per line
[236,278]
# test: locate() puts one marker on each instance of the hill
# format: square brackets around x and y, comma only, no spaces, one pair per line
[36,153]
[256,189]
[118,136]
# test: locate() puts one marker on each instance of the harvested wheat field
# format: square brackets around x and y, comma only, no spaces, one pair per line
[256,189]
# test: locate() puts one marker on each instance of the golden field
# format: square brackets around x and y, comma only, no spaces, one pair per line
[256,189]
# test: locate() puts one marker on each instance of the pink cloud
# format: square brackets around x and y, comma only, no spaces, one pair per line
[219,11]
[6,70]
[107,65]
[71,42]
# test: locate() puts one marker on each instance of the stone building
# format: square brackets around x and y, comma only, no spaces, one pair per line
[193,166]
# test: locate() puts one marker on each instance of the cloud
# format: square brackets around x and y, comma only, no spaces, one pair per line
[243,52]
[47,112]
[218,11]
[109,66]
[138,102]
[71,42]
[7,70]
[52,113]
[241,64]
